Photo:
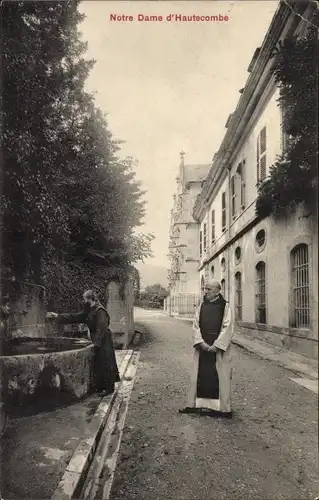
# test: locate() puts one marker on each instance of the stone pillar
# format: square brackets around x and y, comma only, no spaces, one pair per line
[120,309]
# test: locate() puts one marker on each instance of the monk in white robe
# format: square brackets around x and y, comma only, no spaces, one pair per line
[210,389]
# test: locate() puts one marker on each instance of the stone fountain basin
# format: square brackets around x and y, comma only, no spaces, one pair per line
[41,372]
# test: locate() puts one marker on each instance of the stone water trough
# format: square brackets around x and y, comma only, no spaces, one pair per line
[38,368]
[46,371]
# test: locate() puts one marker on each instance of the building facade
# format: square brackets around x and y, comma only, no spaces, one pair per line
[183,246]
[268,268]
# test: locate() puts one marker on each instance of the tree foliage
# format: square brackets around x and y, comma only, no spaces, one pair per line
[156,289]
[153,296]
[69,203]
[293,177]
[136,283]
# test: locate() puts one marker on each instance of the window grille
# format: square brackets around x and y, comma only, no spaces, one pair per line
[262,155]
[233,196]
[223,211]
[300,287]
[238,297]
[213,226]
[261,293]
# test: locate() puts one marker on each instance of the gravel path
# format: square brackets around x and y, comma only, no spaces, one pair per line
[268,451]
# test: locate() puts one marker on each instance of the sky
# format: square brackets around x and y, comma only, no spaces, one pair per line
[169,86]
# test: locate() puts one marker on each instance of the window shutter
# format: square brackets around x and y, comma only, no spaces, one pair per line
[258,158]
[263,140]
[223,211]
[213,226]
[233,195]
[205,237]
[263,168]
[261,155]
[200,243]
[242,184]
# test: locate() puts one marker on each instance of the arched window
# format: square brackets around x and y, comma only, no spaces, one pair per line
[212,270]
[223,287]
[237,255]
[202,285]
[261,293]
[260,238]
[238,297]
[223,264]
[300,286]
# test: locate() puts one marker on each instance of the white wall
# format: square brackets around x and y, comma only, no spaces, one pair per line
[269,116]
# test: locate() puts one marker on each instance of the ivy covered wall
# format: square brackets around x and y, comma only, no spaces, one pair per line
[293,177]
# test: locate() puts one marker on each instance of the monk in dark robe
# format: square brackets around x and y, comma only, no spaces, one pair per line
[210,388]
[96,317]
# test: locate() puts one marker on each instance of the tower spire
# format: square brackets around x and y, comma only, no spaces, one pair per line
[182,154]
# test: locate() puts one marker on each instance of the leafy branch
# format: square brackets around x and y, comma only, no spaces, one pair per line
[292,179]
[69,204]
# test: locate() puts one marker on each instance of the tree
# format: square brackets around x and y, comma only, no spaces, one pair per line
[136,283]
[293,177]
[32,71]
[154,295]
[70,204]
[157,289]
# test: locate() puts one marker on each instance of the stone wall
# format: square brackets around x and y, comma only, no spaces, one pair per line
[27,313]
[287,338]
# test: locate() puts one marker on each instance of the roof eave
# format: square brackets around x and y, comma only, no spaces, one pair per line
[233,132]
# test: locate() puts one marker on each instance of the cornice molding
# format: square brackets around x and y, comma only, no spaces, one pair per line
[253,92]
[245,229]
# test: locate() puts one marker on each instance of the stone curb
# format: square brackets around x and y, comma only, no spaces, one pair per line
[282,357]
[74,475]
[99,480]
